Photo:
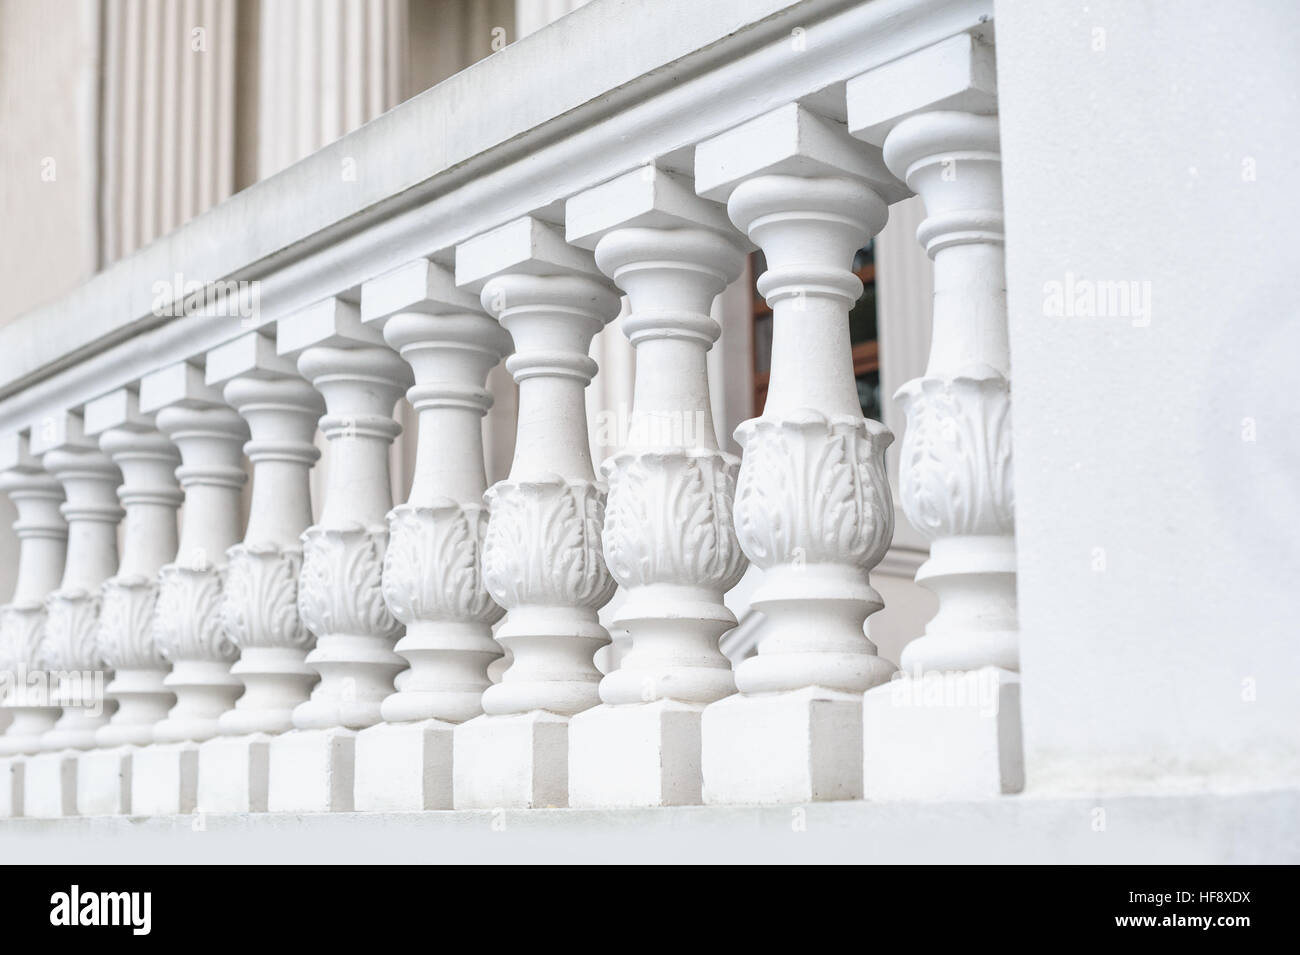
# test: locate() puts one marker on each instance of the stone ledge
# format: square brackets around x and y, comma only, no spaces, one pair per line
[1212,827]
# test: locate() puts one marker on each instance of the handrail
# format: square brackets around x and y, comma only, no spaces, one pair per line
[682,71]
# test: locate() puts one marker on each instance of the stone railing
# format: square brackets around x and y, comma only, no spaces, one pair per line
[347,663]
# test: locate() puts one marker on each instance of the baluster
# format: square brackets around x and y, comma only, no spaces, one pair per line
[260,597]
[127,643]
[812,504]
[542,554]
[433,581]
[952,727]
[340,593]
[70,650]
[189,628]
[668,539]
[43,542]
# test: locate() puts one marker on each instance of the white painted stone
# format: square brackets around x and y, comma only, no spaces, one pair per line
[793,747]
[542,556]
[668,538]
[812,505]
[104,781]
[71,641]
[189,625]
[127,639]
[958,73]
[11,786]
[340,596]
[312,771]
[943,735]
[43,538]
[433,567]
[637,754]
[164,779]
[404,766]
[234,773]
[260,596]
[517,761]
[50,785]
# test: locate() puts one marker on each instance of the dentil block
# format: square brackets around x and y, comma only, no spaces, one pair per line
[104,781]
[233,773]
[312,771]
[404,766]
[165,779]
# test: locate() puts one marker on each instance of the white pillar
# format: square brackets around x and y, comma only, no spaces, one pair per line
[190,629]
[668,538]
[43,540]
[812,505]
[70,650]
[339,592]
[952,727]
[127,642]
[542,554]
[433,574]
[260,596]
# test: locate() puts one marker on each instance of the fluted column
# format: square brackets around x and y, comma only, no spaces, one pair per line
[433,574]
[542,555]
[812,505]
[71,648]
[951,728]
[668,537]
[43,540]
[127,641]
[340,594]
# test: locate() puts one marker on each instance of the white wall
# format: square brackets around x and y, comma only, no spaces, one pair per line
[1157,465]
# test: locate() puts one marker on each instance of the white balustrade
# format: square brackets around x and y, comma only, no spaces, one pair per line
[433,568]
[43,541]
[69,654]
[812,507]
[955,470]
[127,641]
[260,595]
[189,627]
[542,554]
[668,538]
[349,663]
[340,594]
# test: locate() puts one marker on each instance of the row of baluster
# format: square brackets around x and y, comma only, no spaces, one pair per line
[356,650]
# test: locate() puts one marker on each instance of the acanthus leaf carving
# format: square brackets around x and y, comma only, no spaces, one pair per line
[71,631]
[340,590]
[543,544]
[22,628]
[955,471]
[813,489]
[259,606]
[126,637]
[668,519]
[187,617]
[433,566]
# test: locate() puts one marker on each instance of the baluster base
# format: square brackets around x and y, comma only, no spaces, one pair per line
[943,735]
[11,786]
[638,754]
[104,781]
[793,747]
[404,766]
[512,761]
[312,771]
[50,785]
[165,779]
[234,773]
